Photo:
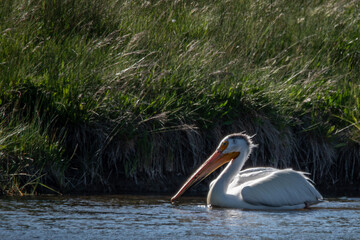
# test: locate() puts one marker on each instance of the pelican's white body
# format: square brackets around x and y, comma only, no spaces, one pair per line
[259,188]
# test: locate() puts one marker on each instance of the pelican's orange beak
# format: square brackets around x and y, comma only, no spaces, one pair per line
[216,160]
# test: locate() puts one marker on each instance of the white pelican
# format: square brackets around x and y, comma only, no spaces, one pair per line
[253,188]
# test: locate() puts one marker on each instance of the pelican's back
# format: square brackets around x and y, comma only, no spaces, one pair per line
[251,174]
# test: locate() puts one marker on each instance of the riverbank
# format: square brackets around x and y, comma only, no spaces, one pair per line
[114,95]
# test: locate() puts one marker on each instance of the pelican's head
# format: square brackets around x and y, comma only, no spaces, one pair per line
[237,142]
[229,148]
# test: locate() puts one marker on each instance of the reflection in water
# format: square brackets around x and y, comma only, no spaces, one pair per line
[146,217]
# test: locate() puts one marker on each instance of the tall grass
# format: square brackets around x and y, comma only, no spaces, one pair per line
[119,91]
[30,158]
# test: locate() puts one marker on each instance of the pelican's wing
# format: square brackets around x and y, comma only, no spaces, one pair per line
[251,174]
[281,188]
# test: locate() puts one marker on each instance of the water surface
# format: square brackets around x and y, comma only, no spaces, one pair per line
[153,217]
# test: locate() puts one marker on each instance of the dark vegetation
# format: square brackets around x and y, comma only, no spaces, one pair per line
[111,96]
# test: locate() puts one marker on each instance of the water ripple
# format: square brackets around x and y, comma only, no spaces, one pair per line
[151,217]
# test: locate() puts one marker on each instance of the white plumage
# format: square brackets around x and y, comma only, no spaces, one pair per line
[254,188]
[286,188]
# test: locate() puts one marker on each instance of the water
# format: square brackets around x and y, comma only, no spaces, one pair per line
[147,217]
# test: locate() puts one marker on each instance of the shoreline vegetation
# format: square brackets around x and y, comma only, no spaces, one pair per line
[112,96]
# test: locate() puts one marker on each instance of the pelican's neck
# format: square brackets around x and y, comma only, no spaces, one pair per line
[231,170]
[220,185]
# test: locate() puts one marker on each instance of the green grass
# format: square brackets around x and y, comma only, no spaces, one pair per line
[96,92]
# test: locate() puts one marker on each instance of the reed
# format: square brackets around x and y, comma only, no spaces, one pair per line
[106,95]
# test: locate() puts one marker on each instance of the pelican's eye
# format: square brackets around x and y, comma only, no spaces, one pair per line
[223,146]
